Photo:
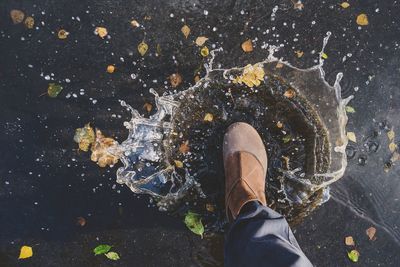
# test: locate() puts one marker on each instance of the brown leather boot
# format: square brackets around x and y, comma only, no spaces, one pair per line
[245,162]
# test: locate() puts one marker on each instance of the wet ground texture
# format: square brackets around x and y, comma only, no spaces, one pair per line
[45,183]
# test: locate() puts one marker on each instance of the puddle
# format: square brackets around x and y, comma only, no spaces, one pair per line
[304,133]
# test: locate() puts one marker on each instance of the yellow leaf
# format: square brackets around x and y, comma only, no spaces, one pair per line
[101,32]
[247,46]
[110,69]
[105,150]
[392,147]
[299,53]
[84,137]
[252,75]
[201,40]
[135,23]
[349,241]
[345,4]
[185,30]
[17,16]
[204,51]
[208,117]
[362,20]
[391,135]
[352,136]
[324,56]
[62,34]
[29,22]
[26,252]
[142,48]
[178,163]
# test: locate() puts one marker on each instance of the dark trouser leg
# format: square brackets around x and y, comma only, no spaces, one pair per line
[261,237]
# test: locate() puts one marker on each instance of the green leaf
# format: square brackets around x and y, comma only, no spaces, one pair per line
[350,109]
[101,249]
[112,255]
[286,139]
[353,255]
[193,222]
[54,89]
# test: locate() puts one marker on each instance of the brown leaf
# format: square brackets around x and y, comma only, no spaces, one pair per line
[135,23]
[110,68]
[371,233]
[148,107]
[279,65]
[196,78]
[101,32]
[290,93]
[247,46]
[104,150]
[185,30]
[81,221]
[349,241]
[184,147]
[299,53]
[175,79]
[29,22]
[62,34]
[201,40]
[362,20]
[210,207]
[17,16]
[298,5]
[279,124]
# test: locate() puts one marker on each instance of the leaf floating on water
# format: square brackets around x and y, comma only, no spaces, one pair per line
[299,53]
[84,137]
[352,136]
[350,109]
[29,22]
[135,23]
[201,40]
[142,48]
[298,5]
[247,46]
[210,207]
[362,20]
[62,34]
[25,252]
[17,16]
[112,255]
[158,50]
[193,222]
[184,147]
[349,241]
[290,93]
[279,65]
[353,255]
[208,117]
[371,233]
[324,56]
[204,51]
[148,107]
[185,30]
[101,32]
[54,89]
[252,75]
[178,163]
[101,249]
[391,134]
[175,79]
[104,150]
[345,5]
[392,147]
[81,221]
[286,139]
[110,69]
[279,124]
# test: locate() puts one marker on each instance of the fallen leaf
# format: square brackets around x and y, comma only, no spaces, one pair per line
[178,163]
[210,207]
[201,40]
[279,65]
[101,32]
[105,150]
[147,17]
[25,252]
[286,139]
[391,134]
[298,5]
[84,137]
[371,233]
[349,241]
[81,221]
[345,5]
[193,222]
[350,109]
[135,23]
[184,147]
[148,107]
[196,78]
[279,124]
[362,20]
[112,255]
[351,136]
[62,34]
[208,117]
[142,48]
[247,46]
[252,75]
[324,56]
[175,79]
[158,50]
[395,157]
[110,69]
[101,249]
[54,89]
[29,22]
[392,147]
[299,53]
[353,255]
[17,16]
[185,30]
[204,51]
[290,93]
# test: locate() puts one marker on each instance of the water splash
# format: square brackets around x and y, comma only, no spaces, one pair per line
[300,170]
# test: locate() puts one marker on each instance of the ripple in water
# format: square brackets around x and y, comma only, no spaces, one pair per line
[304,135]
